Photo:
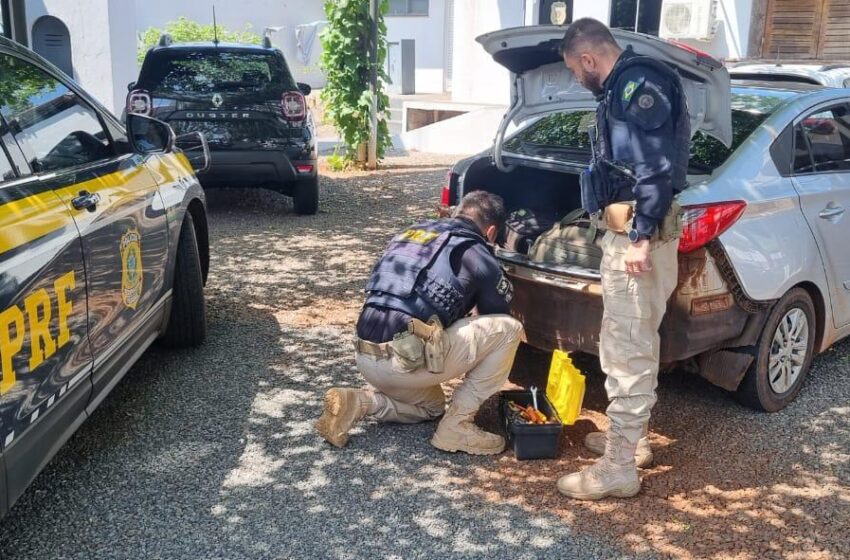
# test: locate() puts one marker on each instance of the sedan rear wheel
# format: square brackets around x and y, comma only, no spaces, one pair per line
[783,355]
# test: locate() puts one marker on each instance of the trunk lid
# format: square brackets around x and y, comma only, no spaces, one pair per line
[542,84]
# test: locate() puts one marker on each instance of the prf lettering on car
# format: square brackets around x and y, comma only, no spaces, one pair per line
[41,309]
[420,236]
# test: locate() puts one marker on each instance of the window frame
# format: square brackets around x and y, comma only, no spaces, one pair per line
[4,152]
[84,100]
[408,14]
[825,106]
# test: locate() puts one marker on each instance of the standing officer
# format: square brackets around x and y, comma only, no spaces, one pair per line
[433,275]
[640,162]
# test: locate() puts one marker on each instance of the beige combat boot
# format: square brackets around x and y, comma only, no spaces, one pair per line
[458,432]
[615,474]
[343,409]
[595,442]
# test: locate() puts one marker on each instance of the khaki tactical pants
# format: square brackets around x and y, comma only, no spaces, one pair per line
[481,348]
[629,344]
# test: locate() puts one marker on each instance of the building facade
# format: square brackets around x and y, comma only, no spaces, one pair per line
[95,41]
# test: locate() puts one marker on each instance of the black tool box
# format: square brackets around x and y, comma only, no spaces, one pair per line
[531,441]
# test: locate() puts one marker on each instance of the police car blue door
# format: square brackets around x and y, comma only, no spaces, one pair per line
[116,206]
[45,358]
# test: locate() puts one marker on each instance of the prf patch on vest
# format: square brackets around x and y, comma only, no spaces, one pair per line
[629,90]
[505,289]
[420,236]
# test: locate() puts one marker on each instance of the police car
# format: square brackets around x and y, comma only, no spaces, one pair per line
[103,250]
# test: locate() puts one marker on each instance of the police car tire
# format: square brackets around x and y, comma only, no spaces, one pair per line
[755,390]
[187,324]
[306,196]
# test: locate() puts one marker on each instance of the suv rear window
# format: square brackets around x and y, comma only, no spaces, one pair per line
[564,136]
[183,72]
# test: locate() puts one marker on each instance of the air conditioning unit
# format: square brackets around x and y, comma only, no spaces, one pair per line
[688,19]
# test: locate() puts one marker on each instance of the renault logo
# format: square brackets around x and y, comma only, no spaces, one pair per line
[217,100]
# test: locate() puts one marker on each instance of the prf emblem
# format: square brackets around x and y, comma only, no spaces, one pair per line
[131,268]
[420,236]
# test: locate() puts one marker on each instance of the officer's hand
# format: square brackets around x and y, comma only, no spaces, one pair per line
[637,258]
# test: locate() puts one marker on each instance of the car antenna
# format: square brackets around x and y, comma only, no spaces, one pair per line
[215,29]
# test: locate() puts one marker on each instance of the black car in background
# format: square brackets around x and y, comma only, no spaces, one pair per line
[245,101]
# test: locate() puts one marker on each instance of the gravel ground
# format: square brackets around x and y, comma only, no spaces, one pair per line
[210,453]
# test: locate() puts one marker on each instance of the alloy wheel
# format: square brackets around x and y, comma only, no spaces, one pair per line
[788,350]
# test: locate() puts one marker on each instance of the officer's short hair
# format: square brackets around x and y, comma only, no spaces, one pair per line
[484,208]
[587,33]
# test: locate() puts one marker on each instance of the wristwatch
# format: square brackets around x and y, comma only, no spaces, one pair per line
[634,236]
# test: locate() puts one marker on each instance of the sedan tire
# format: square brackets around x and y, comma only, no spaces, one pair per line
[783,354]
[187,324]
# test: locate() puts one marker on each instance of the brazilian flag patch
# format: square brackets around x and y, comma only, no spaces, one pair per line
[629,90]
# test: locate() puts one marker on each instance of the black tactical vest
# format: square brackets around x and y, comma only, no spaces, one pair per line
[415,275]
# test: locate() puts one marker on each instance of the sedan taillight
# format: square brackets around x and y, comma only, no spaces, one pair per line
[139,102]
[294,105]
[706,222]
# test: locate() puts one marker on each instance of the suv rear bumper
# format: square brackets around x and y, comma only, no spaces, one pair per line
[256,168]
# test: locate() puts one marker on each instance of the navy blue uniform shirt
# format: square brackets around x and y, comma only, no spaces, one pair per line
[484,287]
[647,135]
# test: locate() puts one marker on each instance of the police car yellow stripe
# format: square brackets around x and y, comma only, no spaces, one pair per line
[27,219]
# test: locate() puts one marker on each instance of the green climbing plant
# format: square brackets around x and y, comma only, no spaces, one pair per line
[184,30]
[345,60]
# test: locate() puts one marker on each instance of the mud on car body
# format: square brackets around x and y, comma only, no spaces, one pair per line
[103,250]
[244,99]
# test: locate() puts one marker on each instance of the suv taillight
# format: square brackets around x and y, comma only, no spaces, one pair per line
[294,106]
[139,102]
[705,222]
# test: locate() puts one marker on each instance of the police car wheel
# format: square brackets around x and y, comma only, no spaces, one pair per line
[187,324]
[306,196]
[783,354]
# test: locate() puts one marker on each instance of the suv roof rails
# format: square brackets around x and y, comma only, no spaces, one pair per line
[267,35]
[165,40]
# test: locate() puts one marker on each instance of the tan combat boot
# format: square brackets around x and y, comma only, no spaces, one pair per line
[595,442]
[343,409]
[457,432]
[615,474]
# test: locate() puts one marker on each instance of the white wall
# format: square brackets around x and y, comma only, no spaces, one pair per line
[596,9]
[235,15]
[476,77]
[102,51]
[428,33]
[733,30]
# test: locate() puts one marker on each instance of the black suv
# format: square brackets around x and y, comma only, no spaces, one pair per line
[245,101]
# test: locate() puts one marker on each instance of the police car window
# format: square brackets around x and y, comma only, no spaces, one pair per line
[53,126]
[827,134]
[7,172]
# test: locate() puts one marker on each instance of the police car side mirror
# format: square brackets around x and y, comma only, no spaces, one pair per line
[194,147]
[304,88]
[148,135]
[131,86]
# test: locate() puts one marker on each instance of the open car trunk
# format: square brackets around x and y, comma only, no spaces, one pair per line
[568,315]
[561,305]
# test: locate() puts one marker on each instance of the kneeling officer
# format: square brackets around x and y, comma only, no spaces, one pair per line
[432,276]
